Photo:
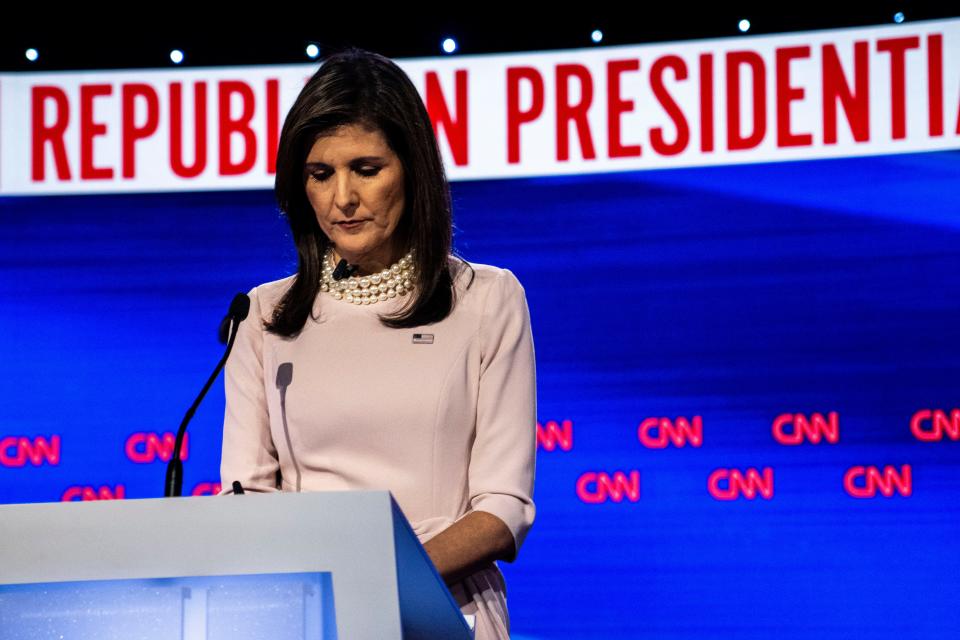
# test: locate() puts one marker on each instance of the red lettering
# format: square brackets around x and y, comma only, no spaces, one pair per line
[230,125]
[88,493]
[16,451]
[180,168]
[874,480]
[657,433]
[616,106]
[456,129]
[812,430]
[551,435]
[935,82]
[273,124]
[576,113]
[132,132]
[597,487]
[856,103]
[897,48]
[515,116]
[146,447]
[706,102]
[52,134]
[657,141]
[89,130]
[786,93]
[941,425]
[752,60]
[206,489]
[739,484]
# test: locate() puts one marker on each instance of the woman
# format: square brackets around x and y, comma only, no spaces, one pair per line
[416,373]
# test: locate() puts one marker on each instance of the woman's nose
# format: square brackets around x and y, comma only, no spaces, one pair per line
[346,196]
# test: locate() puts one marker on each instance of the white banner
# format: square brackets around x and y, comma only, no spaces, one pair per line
[797,96]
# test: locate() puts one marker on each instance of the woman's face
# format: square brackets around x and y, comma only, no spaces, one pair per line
[354,176]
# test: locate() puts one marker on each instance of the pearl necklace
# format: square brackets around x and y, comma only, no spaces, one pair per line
[395,280]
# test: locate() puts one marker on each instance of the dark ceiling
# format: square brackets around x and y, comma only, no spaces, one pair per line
[143,36]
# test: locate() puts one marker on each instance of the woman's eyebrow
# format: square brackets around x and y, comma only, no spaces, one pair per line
[313,165]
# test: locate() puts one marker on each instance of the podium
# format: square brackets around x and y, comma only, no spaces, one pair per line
[334,564]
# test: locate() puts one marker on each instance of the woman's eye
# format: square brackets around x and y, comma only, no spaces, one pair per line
[366,172]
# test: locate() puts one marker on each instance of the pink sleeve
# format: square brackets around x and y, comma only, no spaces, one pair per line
[503,458]
[249,454]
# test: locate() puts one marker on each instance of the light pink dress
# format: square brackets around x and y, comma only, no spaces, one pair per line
[442,415]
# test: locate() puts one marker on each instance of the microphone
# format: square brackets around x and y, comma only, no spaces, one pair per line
[239,309]
[344,270]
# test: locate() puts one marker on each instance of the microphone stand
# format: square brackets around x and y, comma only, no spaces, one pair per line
[239,308]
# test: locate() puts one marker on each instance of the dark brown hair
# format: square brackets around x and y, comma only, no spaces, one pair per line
[355,86]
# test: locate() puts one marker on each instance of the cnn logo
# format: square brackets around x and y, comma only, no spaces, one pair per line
[796,428]
[17,451]
[730,484]
[658,433]
[146,446]
[553,435]
[868,481]
[935,425]
[86,493]
[595,487]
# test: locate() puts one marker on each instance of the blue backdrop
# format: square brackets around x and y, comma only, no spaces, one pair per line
[735,293]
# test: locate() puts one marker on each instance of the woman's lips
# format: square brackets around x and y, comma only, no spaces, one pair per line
[351,225]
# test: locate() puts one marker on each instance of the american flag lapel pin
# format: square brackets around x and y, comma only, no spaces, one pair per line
[423,338]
